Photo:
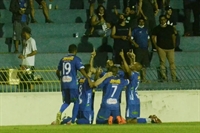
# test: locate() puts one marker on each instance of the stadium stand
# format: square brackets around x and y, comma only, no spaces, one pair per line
[53,40]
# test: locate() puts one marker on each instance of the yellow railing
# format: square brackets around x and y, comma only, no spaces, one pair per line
[45,80]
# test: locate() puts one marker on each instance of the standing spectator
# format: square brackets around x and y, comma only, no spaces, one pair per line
[20,17]
[67,74]
[121,33]
[189,28]
[171,21]
[28,57]
[45,10]
[148,10]
[141,42]
[130,15]
[164,40]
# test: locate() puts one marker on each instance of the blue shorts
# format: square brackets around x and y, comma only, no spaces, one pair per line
[132,111]
[104,114]
[87,115]
[70,95]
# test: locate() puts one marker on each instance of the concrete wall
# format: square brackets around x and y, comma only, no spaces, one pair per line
[41,108]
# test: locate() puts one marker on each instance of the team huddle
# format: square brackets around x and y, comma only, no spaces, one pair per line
[111,81]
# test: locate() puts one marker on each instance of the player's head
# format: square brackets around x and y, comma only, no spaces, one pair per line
[72,49]
[109,63]
[114,70]
[136,67]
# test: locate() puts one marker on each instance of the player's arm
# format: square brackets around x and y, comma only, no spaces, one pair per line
[93,54]
[100,80]
[58,74]
[140,9]
[127,69]
[86,76]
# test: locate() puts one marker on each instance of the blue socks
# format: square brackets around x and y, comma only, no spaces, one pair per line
[63,107]
[75,110]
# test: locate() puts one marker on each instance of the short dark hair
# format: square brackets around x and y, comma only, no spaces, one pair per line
[26,29]
[72,48]
[114,70]
[141,18]
[87,68]
[162,16]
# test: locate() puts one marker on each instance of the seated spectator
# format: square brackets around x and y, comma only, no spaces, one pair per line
[92,5]
[100,27]
[171,21]
[44,9]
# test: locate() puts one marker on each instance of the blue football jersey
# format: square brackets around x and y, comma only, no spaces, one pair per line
[68,67]
[86,98]
[131,91]
[112,88]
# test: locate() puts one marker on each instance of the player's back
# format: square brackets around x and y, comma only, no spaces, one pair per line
[68,67]
[112,88]
[131,90]
[85,95]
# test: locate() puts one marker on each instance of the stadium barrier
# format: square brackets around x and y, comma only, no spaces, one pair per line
[45,80]
[41,108]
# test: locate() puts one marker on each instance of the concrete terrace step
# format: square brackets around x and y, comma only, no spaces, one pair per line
[49,30]
[58,16]
[60,44]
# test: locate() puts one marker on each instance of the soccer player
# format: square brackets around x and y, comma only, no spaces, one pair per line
[67,74]
[112,88]
[86,93]
[132,99]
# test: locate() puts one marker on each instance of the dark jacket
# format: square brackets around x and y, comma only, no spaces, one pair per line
[15,7]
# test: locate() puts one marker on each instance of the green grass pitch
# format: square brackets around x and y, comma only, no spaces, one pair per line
[192,127]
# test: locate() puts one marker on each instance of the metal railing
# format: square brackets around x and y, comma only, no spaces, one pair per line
[44,80]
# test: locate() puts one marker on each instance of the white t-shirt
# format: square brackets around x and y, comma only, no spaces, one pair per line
[29,48]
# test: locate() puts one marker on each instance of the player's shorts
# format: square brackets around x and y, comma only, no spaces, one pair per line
[132,111]
[99,1]
[70,95]
[87,115]
[104,114]
[17,29]
[39,1]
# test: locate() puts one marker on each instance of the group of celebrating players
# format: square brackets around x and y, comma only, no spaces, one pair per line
[112,82]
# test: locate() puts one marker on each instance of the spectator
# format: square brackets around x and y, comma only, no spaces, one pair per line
[148,10]
[28,57]
[131,16]
[20,17]
[66,73]
[100,26]
[171,21]
[141,42]
[121,33]
[189,28]
[164,40]
[92,6]
[130,3]
[44,9]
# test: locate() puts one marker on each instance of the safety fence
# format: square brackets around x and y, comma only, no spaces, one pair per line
[45,80]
